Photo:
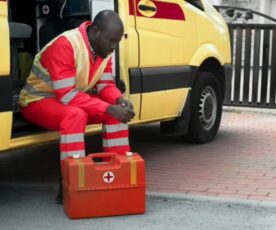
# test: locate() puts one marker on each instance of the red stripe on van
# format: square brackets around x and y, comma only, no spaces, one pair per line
[165,10]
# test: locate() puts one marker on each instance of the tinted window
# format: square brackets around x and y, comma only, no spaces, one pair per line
[196,3]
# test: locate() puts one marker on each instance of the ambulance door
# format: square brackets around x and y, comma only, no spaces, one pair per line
[167,42]
[125,59]
[5,80]
[4,39]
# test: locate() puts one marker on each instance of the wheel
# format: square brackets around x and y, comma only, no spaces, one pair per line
[206,109]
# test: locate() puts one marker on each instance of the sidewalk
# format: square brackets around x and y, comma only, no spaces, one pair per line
[30,209]
[239,163]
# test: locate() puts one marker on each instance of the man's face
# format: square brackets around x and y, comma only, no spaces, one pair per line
[106,41]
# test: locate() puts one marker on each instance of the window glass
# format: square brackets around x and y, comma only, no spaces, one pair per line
[196,3]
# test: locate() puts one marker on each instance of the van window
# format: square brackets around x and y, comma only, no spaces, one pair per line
[196,3]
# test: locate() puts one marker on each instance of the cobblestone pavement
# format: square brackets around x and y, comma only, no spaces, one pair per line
[239,163]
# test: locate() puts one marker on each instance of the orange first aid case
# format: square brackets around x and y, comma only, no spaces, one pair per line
[114,187]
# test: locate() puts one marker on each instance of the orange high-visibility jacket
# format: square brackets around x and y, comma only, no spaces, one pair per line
[65,69]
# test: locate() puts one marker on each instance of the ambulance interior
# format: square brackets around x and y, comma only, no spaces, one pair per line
[32,24]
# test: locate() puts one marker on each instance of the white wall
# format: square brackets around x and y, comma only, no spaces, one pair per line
[265,9]
[273,8]
[268,7]
[215,2]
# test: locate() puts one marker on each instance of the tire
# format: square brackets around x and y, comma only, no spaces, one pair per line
[206,109]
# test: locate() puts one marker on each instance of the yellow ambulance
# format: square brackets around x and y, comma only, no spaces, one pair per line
[173,62]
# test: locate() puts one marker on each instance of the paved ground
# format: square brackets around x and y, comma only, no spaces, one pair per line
[29,209]
[240,163]
[224,185]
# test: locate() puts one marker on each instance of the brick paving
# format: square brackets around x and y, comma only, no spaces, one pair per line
[239,163]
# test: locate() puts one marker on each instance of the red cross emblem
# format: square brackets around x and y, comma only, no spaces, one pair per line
[108,177]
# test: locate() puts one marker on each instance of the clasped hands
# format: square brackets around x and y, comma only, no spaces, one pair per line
[122,111]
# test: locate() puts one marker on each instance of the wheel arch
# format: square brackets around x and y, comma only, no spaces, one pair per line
[208,57]
[213,66]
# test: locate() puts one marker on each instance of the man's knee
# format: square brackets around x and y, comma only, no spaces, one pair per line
[75,116]
[108,119]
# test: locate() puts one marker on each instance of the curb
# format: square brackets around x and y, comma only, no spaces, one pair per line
[235,109]
[214,200]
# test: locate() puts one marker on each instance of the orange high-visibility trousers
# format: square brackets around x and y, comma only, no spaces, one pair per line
[71,121]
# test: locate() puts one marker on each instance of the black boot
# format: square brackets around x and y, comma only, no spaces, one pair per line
[59,198]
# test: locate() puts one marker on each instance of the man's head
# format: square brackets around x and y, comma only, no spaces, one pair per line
[105,33]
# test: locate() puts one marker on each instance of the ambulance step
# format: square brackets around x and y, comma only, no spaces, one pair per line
[21,127]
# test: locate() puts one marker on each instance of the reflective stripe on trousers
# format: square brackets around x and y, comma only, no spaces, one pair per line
[71,123]
[72,145]
[115,137]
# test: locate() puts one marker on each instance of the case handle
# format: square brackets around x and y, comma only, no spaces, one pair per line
[105,157]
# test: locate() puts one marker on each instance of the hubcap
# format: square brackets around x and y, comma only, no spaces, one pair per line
[207,108]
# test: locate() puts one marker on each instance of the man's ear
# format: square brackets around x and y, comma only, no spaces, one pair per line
[95,31]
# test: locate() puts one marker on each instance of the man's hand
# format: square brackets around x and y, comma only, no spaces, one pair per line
[125,103]
[120,112]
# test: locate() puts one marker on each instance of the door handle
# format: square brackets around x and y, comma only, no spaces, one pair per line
[145,8]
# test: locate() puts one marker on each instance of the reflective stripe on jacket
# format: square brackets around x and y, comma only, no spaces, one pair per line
[40,84]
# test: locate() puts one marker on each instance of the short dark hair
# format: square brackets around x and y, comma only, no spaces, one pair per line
[99,20]
[104,17]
